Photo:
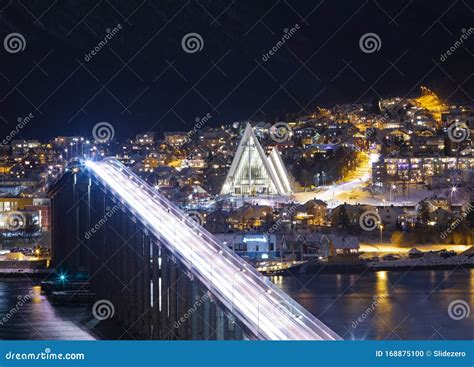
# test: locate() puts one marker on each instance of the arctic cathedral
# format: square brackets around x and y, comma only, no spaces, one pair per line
[254,174]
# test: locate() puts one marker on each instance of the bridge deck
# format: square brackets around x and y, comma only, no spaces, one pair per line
[255,301]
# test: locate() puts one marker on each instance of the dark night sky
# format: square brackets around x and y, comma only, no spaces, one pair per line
[143,80]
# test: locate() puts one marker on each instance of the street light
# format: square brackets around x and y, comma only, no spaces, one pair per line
[453,190]
[381,233]
[393,187]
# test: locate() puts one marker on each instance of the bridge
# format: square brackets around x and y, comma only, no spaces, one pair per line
[167,277]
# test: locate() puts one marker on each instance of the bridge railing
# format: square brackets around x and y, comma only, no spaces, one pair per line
[263,308]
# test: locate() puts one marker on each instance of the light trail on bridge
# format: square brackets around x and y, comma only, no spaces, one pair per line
[265,310]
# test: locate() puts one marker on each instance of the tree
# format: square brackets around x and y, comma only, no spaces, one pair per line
[423,212]
[342,219]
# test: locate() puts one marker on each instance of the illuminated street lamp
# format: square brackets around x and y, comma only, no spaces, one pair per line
[381,233]
[62,277]
[392,188]
[453,191]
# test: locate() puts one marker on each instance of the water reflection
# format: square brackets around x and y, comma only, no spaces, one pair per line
[26,314]
[407,305]
[382,304]
[387,305]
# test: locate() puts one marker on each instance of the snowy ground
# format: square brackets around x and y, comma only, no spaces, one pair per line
[427,260]
[389,248]
[356,190]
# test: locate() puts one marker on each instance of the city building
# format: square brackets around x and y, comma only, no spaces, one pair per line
[254,246]
[252,173]
[14,203]
[417,169]
[176,138]
[145,139]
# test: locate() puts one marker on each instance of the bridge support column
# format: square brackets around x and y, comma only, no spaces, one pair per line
[145,282]
[153,294]
[156,311]
[166,323]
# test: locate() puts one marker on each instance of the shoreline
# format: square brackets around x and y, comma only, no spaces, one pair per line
[395,265]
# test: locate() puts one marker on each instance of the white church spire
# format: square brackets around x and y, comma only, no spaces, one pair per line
[253,173]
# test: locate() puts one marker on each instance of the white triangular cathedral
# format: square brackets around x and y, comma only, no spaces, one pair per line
[252,173]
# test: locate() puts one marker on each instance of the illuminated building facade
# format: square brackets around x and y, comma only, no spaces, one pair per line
[255,246]
[411,169]
[252,173]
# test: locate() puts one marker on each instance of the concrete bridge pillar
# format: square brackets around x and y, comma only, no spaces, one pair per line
[153,294]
